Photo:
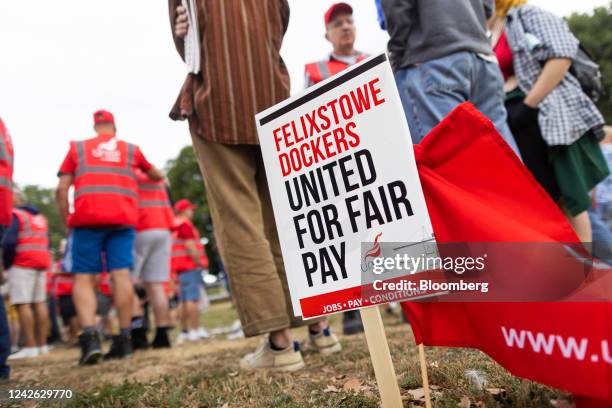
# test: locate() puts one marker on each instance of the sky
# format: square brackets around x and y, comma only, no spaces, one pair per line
[62,60]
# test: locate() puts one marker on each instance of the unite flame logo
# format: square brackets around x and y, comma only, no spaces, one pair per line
[107,151]
[375,252]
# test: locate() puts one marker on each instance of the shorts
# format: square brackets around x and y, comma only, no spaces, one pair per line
[26,285]
[66,308]
[103,304]
[152,248]
[86,246]
[190,283]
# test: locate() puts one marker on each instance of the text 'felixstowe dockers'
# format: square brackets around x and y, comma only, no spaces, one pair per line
[321,158]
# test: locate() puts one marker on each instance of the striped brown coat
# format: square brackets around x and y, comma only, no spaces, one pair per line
[241,73]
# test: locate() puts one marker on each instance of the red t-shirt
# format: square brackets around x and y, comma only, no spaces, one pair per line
[70,161]
[187,231]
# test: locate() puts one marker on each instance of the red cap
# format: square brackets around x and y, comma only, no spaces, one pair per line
[184,204]
[103,116]
[335,8]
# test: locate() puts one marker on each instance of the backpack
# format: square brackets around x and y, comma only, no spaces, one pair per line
[588,74]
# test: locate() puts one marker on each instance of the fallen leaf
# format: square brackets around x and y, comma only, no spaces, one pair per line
[226,405]
[331,388]
[496,391]
[434,387]
[352,384]
[340,377]
[232,373]
[417,393]
[464,402]
[559,403]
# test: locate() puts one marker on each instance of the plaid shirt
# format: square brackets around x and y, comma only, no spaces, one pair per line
[535,36]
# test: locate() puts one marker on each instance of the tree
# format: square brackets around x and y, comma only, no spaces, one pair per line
[595,33]
[186,181]
[44,200]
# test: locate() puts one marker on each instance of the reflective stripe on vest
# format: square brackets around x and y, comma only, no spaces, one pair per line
[32,247]
[322,65]
[181,259]
[152,203]
[5,182]
[320,71]
[105,189]
[105,183]
[4,152]
[151,187]
[84,168]
[154,208]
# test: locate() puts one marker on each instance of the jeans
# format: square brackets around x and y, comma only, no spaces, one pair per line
[431,90]
[602,237]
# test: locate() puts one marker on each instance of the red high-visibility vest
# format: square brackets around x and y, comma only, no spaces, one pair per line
[49,283]
[6,176]
[181,261]
[105,188]
[32,249]
[321,70]
[154,210]
[63,281]
[104,284]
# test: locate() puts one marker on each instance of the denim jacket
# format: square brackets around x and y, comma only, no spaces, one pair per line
[535,36]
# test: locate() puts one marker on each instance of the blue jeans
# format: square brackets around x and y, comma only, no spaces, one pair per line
[431,90]
[602,237]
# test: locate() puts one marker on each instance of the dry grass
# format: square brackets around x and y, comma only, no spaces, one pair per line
[206,374]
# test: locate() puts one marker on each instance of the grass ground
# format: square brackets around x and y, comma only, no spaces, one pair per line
[206,374]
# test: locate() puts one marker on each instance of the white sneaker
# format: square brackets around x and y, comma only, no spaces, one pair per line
[202,333]
[289,359]
[26,352]
[181,338]
[44,350]
[193,335]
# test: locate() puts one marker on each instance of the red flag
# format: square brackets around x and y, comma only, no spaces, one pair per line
[477,190]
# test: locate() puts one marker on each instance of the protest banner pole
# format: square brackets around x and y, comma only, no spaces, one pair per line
[424,376]
[381,357]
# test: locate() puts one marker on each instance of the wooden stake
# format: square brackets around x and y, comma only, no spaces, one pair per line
[424,376]
[381,357]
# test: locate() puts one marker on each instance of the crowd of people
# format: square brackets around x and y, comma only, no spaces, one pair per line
[130,250]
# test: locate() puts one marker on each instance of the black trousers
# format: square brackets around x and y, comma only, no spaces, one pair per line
[523,122]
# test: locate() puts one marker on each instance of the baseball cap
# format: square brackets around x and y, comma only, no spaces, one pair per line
[184,204]
[103,116]
[335,8]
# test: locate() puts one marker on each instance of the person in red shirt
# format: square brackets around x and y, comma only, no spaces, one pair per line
[152,268]
[188,260]
[28,243]
[340,32]
[103,172]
